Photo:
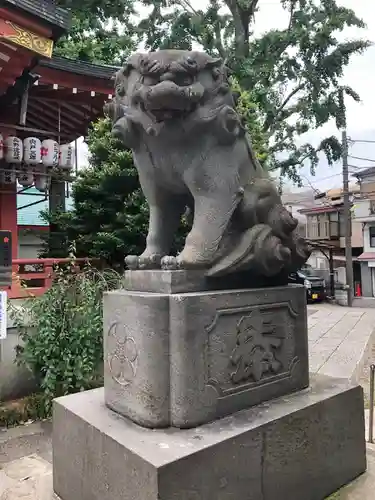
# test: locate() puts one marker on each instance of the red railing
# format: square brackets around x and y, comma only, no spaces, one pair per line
[32,277]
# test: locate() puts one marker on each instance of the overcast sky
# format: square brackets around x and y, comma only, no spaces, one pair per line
[360,74]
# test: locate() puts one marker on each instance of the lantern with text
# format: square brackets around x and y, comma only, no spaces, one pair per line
[31,157]
[50,153]
[13,153]
[13,150]
[32,151]
[66,159]
[41,178]
[8,174]
[25,176]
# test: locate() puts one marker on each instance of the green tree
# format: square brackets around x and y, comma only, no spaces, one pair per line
[294,73]
[100,31]
[109,217]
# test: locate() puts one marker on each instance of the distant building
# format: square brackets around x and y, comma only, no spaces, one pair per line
[364,214]
[325,227]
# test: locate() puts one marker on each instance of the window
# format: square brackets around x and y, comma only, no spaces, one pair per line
[371,231]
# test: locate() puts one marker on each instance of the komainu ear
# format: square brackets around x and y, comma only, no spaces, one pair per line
[205,61]
[133,62]
[214,62]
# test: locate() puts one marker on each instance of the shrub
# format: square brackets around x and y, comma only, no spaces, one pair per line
[62,331]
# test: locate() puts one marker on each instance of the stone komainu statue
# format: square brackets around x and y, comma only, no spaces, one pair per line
[175,110]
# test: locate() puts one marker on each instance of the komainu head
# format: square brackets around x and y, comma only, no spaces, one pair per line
[168,84]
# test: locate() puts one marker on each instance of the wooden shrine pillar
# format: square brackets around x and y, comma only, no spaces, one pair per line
[8,214]
[8,207]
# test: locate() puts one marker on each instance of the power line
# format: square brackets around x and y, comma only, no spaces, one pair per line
[362,167]
[362,159]
[361,140]
[325,178]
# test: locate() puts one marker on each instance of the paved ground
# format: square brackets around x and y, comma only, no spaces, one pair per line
[340,340]
[341,344]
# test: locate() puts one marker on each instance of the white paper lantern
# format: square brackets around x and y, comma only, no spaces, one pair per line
[50,153]
[66,159]
[32,151]
[8,174]
[41,179]
[1,147]
[25,176]
[13,150]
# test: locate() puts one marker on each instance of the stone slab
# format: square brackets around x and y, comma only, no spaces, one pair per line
[184,359]
[160,281]
[303,446]
[184,281]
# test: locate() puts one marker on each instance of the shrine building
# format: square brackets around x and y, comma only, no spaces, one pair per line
[46,104]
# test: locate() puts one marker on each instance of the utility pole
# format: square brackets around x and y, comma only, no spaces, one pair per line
[347,219]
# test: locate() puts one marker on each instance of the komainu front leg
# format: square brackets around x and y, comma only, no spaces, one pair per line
[163,222]
[211,218]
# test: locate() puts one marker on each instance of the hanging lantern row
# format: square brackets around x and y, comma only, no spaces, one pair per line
[39,155]
[32,151]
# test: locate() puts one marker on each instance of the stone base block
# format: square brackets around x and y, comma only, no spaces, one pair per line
[300,447]
[184,359]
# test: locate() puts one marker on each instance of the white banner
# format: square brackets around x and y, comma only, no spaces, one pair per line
[3,314]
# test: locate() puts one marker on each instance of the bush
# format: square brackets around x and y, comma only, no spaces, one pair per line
[62,331]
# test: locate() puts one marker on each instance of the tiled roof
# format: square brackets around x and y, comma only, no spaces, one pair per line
[367,256]
[44,9]
[364,173]
[80,67]
[30,215]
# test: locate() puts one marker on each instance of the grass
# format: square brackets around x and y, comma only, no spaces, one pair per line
[334,496]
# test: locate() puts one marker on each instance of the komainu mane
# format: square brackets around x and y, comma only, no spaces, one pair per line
[175,110]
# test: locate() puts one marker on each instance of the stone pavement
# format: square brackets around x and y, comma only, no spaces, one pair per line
[340,341]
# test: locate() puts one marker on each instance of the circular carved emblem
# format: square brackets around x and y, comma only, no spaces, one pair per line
[122,356]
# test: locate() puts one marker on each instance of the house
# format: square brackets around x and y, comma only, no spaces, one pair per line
[294,202]
[364,214]
[325,226]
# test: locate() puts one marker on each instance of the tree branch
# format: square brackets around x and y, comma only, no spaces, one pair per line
[219,41]
[252,8]
[272,117]
[185,4]
[241,19]
[292,9]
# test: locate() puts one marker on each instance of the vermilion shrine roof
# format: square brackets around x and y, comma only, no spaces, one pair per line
[45,10]
[61,96]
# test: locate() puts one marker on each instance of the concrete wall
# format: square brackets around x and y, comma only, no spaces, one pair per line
[357,236]
[368,186]
[362,208]
[366,280]
[15,381]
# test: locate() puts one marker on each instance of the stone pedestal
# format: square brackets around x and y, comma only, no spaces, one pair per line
[176,355]
[302,446]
